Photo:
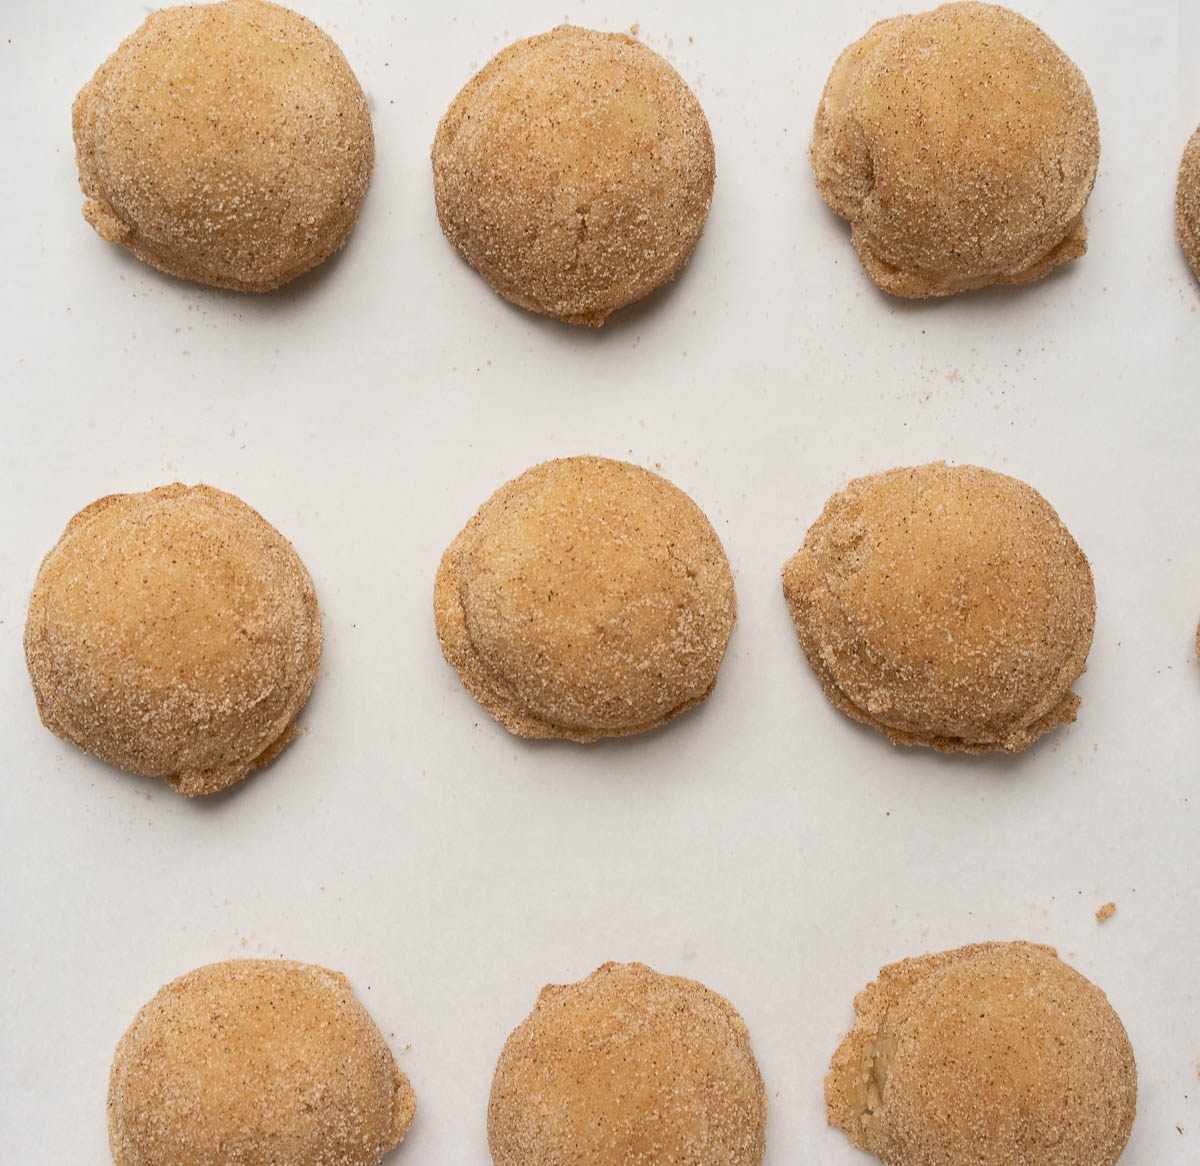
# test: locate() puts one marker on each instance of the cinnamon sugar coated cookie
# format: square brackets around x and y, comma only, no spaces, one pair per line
[574,172]
[225,143]
[1187,203]
[945,606]
[587,598]
[962,145]
[628,1067]
[996,1054]
[175,634]
[258,1062]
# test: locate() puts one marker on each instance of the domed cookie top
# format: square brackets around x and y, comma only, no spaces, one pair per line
[997,1054]
[258,1062]
[574,172]
[173,633]
[627,1066]
[225,143]
[1187,203]
[945,606]
[587,598]
[961,144]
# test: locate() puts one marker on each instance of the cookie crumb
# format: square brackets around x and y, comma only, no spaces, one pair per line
[1106,912]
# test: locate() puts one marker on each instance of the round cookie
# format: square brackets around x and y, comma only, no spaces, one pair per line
[574,172]
[175,634]
[627,1066]
[1187,203]
[587,598]
[962,145]
[997,1054]
[228,144]
[945,606]
[258,1062]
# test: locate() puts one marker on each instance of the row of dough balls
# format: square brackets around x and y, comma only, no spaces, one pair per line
[997,1054]
[232,144]
[176,634]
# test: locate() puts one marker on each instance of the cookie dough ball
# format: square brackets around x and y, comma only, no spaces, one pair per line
[961,144]
[1187,203]
[258,1062]
[587,598]
[945,606]
[175,634]
[997,1054]
[225,143]
[628,1066]
[574,172]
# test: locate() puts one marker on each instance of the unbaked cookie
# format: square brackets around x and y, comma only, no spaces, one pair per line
[225,143]
[962,145]
[945,606]
[628,1066]
[175,634]
[258,1062]
[574,172]
[587,598]
[997,1054]
[1187,203]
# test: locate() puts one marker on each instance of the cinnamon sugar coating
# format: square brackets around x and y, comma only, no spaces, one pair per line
[962,145]
[175,634]
[996,1054]
[628,1067]
[587,598]
[946,606]
[258,1062]
[228,144]
[574,172]
[1187,203]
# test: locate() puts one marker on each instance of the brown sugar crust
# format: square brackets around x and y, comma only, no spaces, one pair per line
[587,598]
[962,145]
[628,1067]
[946,606]
[229,144]
[574,172]
[1187,203]
[175,634]
[997,1054]
[258,1062]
